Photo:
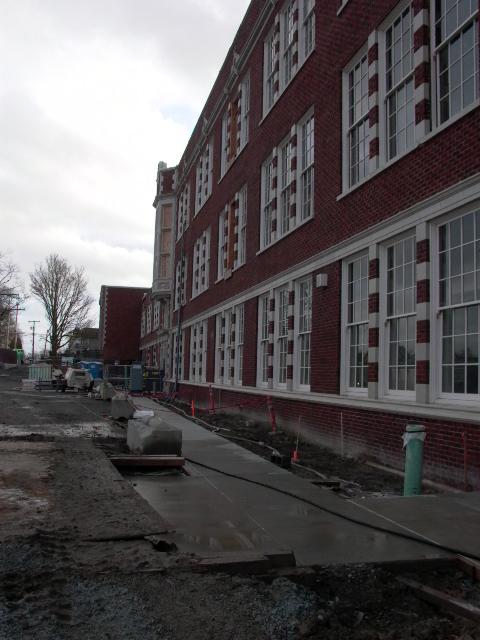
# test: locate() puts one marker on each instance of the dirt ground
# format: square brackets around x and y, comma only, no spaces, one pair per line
[74,562]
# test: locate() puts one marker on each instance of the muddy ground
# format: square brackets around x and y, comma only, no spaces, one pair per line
[74,562]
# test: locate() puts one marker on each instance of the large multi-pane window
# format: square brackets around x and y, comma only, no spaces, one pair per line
[198,351]
[239,344]
[357,323]
[358,125]
[307,168]
[242,223]
[149,318]
[304,331]
[263,364]
[459,295]
[288,41]
[400,83]
[165,240]
[401,318]
[142,328]
[221,245]
[285,181]
[267,204]
[270,71]
[156,314]
[180,283]
[201,263]
[218,348]
[203,183]
[183,211]
[456,52]
[245,111]
[228,345]
[282,336]
[308,26]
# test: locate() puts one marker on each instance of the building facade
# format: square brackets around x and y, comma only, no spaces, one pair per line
[155,332]
[120,310]
[319,240]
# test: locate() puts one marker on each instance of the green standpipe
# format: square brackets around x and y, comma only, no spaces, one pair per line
[413,439]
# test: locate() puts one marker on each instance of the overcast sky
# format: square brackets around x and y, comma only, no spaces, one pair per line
[92,95]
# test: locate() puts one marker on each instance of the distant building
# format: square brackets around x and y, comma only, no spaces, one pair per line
[120,312]
[83,341]
[155,332]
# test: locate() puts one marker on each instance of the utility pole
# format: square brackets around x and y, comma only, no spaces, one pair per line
[32,328]
[9,296]
[16,322]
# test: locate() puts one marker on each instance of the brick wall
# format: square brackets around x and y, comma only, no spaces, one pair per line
[123,317]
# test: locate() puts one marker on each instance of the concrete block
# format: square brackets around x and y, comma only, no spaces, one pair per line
[155,438]
[121,408]
[106,390]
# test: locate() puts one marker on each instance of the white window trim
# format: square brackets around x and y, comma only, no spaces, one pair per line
[240,309]
[244,114]
[149,319]
[345,389]
[242,204]
[218,348]
[142,328]
[203,242]
[227,378]
[221,247]
[296,349]
[383,341]
[260,383]
[265,165]
[200,201]
[276,338]
[223,151]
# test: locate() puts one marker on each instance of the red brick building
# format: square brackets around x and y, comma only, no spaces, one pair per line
[120,312]
[154,332]
[329,199]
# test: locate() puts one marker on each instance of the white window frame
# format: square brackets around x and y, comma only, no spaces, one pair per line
[183,210]
[386,318]
[181,362]
[242,226]
[201,246]
[437,316]
[345,389]
[239,339]
[181,294]
[156,314]
[284,182]
[435,64]
[266,203]
[286,44]
[269,72]
[221,246]
[347,127]
[198,348]
[299,335]
[142,327]
[306,165]
[225,141]
[245,111]
[308,27]
[149,319]
[218,348]
[227,377]
[203,177]
[262,340]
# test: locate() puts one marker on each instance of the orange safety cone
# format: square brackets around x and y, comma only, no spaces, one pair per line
[193,408]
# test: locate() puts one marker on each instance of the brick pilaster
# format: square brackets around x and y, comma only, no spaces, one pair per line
[422,351]
[291,334]
[373,102]
[373,319]
[421,62]
[271,332]
[293,177]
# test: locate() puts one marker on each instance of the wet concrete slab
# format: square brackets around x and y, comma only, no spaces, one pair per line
[210,510]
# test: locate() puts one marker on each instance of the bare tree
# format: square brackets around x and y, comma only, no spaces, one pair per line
[11,293]
[62,289]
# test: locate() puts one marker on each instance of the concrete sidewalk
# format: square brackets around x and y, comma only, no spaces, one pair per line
[212,512]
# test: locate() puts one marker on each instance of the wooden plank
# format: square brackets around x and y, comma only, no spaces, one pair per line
[326,483]
[420,565]
[469,567]
[151,462]
[442,600]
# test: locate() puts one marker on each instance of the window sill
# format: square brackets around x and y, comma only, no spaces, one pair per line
[285,235]
[280,93]
[197,295]
[419,143]
[232,162]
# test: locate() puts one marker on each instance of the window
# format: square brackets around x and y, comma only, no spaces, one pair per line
[358,125]
[307,168]
[242,240]
[203,182]
[201,263]
[178,355]
[218,349]
[149,318]
[165,241]
[142,328]
[227,378]
[269,72]
[293,43]
[459,295]
[221,245]
[401,318]
[308,26]
[225,144]
[282,336]
[263,332]
[288,41]
[357,323]
[245,110]
[304,331]
[456,54]
[239,344]
[267,196]
[180,282]
[400,83]
[198,351]
[285,182]
[183,211]
[156,315]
